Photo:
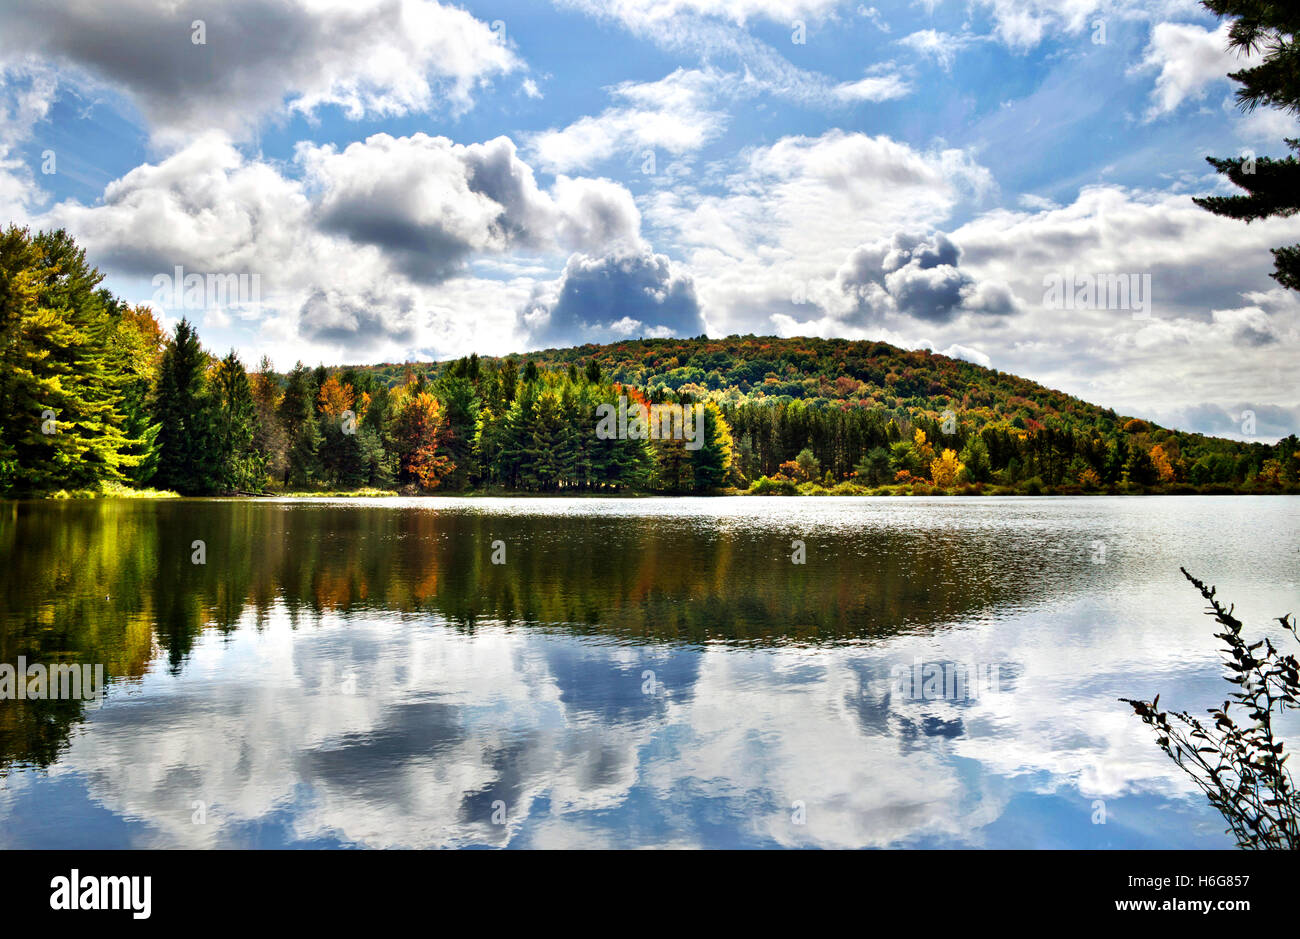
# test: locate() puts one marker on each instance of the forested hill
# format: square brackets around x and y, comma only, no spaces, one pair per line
[822,373]
[821,413]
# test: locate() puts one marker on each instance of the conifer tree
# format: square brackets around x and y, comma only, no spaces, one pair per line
[1272,185]
[240,466]
[62,425]
[183,412]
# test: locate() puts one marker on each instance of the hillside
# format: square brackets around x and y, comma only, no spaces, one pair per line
[842,399]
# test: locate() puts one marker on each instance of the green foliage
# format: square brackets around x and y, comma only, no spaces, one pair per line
[61,389]
[239,466]
[183,410]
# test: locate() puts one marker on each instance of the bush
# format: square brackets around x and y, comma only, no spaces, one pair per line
[766,486]
[1240,767]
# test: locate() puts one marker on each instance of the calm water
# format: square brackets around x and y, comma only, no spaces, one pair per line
[636,673]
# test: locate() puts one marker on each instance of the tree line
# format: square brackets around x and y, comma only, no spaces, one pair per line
[97,397]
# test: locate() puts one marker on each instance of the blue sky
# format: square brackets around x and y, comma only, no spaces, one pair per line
[408,180]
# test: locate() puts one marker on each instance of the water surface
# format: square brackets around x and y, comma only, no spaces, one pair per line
[638,672]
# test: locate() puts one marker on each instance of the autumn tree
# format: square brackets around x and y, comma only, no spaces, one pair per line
[1164,469]
[419,431]
[944,469]
[269,438]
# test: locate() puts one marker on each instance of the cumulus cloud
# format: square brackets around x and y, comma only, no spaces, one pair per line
[1198,262]
[424,204]
[1188,59]
[427,203]
[614,296]
[916,276]
[369,57]
[771,244]
[370,249]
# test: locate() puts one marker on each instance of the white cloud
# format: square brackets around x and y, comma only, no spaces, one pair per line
[874,88]
[968,354]
[644,14]
[772,243]
[1188,59]
[369,253]
[714,32]
[673,114]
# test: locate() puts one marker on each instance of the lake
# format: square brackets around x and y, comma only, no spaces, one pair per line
[555,673]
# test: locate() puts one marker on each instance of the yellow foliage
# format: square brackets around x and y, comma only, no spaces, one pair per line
[944,470]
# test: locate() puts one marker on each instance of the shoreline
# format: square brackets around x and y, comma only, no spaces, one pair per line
[378,495]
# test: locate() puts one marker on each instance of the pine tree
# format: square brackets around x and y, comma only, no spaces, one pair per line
[183,411]
[1273,185]
[62,423]
[302,431]
[713,460]
[874,468]
[239,466]
[460,404]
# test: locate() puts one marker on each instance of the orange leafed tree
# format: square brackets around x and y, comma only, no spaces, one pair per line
[1161,462]
[420,430]
[335,397]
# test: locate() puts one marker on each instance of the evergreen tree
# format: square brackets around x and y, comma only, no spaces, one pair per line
[62,394]
[240,466]
[183,411]
[302,431]
[1273,185]
[460,403]
[713,460]
[874,469]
